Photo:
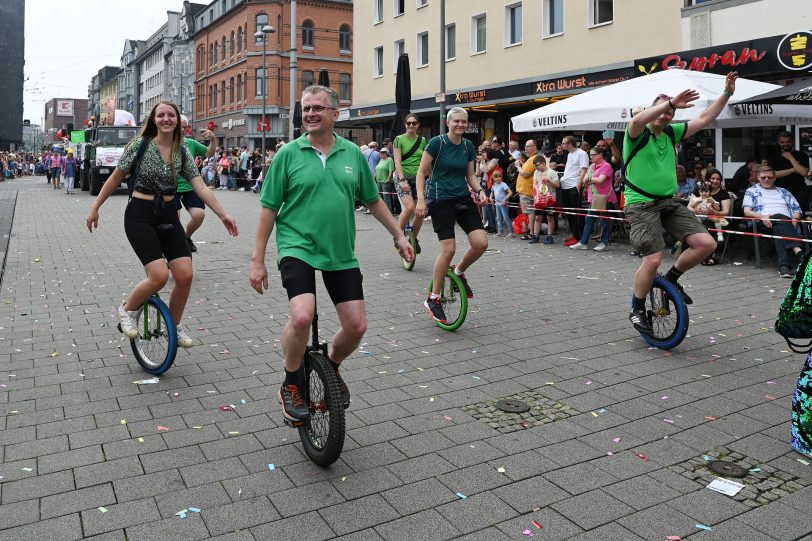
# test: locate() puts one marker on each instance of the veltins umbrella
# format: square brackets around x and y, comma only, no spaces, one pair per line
[403,95]
[324,77]
[800,92]
[297,120]
[610,107]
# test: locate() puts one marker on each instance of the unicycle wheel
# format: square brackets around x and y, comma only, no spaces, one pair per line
[409,265]
[668,315]
[322,434]
[454,301]
[157,342]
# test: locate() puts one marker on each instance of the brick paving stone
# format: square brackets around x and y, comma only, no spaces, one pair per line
[476,512]
[20,513]
[202,497]
[106,472]
[778,520]
[554,526]
[708,507]
[191,528]
[428,524]
[66,528]
[240,515]
[658,521]
[307,498]
[309,525]
[37,486]
[77,500]
[529,494]
[118,516]
[419,496]
[144,486]
[592,509]
[358,514]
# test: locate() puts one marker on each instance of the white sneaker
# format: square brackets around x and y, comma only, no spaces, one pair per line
[242,189]
[579,246]
[183,339]
[126,322]
[720,237]
[600,247]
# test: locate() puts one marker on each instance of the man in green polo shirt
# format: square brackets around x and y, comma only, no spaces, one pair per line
[651,183]
[308,194]
[185,196]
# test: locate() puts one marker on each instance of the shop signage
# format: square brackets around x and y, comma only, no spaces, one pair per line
[758,56]
[230,123]
[64,107]
[368,112]
[471,96]
[577,82]
[473,127]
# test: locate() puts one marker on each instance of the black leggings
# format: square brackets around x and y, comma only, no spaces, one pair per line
[155,234]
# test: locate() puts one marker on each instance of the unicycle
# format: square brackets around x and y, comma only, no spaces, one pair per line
[409,265]
[667,313]
[156,346]
[322,434]
[453,299]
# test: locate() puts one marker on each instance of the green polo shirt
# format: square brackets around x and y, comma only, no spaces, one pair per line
[653,169]
[196,149]
[315,202]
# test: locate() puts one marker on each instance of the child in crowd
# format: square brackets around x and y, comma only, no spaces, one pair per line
[703,204]
[500,193]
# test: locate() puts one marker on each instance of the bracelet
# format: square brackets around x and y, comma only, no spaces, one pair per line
[725,92]
[673,108]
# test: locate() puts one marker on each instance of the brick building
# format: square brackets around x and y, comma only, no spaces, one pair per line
[228,62]
[63,113]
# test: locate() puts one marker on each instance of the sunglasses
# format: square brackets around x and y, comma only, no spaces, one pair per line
[411,123]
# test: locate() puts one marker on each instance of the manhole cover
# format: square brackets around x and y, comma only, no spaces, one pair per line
[513,406]
[727,469]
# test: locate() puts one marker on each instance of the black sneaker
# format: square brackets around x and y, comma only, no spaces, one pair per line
[345,391]
[435,307]
[468,292]
[417,249]
[293,406]
[785,272]
[192,246]
[686,298]
[639,319]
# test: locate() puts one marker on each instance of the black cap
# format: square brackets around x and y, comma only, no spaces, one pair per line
[496,139]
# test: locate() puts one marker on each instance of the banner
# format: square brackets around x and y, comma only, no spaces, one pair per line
[77,136]
[64,107]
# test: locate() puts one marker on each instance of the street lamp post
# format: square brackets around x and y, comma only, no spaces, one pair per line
[263,35]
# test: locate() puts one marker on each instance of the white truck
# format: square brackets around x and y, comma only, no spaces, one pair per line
[101,157]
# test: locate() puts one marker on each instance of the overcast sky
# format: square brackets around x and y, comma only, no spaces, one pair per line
[68,41]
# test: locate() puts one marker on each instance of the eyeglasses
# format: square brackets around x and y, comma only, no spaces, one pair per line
[315,108]
[412,123]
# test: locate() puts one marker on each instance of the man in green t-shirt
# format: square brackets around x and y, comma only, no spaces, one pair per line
[651,183]
[186,195]
[309,193]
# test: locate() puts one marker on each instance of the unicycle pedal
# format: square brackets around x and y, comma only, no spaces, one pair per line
[293,423]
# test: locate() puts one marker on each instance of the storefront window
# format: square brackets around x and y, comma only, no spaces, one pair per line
[741,144]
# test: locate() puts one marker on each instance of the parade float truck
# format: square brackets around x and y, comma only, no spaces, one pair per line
[102,153]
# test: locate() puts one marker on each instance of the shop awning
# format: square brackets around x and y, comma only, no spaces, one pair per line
[611,107]
[796,93]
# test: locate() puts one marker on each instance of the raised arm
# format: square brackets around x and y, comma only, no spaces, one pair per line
[708,115]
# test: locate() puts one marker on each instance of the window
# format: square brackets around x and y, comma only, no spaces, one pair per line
[307,34]
[421,3]
[422,49]
[239,40]
[211,15]
[400,7]
[377,62]
[239,88]
[600,12]
[231,91]
[223,7]
[261,20]
[223,93]
[344,88]
[451,42]
[344,38]
[553,17]
[260,82]
[216,52]
[400,48]
[377,12]
[513,24]
[223,57]
[231,44]
[307,79]
[479,42]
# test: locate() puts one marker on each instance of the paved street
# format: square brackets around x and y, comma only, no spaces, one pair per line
[615,447]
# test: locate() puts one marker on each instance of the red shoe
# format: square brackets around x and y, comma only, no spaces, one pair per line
[570,241]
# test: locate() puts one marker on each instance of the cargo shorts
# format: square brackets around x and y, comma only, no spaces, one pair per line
[647,221]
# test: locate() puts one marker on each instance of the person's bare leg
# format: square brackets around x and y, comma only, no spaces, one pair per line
[297,330]
[157,276]
[353,320]
[646,272]
[196,216]
[478,240]
[447,249]
[181,269]
[700,246]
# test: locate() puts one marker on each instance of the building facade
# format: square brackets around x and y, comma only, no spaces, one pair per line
[12,62]
[63,114]
[150,67]
[127,87]
[229,72]
[108,101]
[94,91]
[501,58]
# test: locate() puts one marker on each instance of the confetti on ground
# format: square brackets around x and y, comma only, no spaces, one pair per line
[234,433]
[123,421]
[676,537]
[703,527]
[616,440]
[431,399]
[140,440]
[500,469]
[102,509]
[476,377]
[528,533]
[146,381]
[28,469]
[710,418]
[602,410]
[664,397]
[182,513]
[669,421]
[706,458]
[447,418]
[271,467]
[462,496]
[594,414]
[163,428]
[754,470]
[802,461]
[536,524]
[641,456]
[194,510]
[706,375]
[226,408]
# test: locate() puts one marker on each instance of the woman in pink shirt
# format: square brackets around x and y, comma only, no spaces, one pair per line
[601,196]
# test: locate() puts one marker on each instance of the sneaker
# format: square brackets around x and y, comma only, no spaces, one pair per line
[600,247]
[417,249]
[360,208]
[293,406]
[570,241]
[242,189]
[720,237]
[344,390]
[367,211]
[468,292]
[435,307]
[784,272]
[192,246]
[533,240]
[526,236]
[183,339]
[126,322]
[639,319]
[685,297]
[510,236]
[549,240]
[579,246]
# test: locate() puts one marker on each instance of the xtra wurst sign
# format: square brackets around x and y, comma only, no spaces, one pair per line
[792,52]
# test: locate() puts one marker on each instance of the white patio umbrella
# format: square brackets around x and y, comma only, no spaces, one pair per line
[610,107]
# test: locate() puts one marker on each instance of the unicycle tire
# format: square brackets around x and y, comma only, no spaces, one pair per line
[668,315]
[322,434]
[454,301]
[157,343]
[409,265]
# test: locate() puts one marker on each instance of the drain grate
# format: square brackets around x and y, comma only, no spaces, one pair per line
[539,410]
[762,484]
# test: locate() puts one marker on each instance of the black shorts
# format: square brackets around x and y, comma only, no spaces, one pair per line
[188,200]
[154,236]
[298,277]
[446,212]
